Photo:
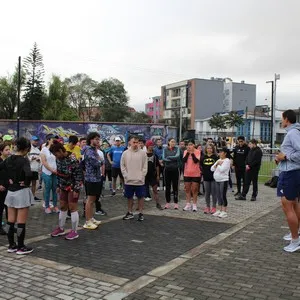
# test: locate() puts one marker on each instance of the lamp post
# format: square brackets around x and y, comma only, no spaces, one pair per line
[272,113]
[19,97]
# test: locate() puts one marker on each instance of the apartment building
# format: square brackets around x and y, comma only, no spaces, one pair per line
[152,109]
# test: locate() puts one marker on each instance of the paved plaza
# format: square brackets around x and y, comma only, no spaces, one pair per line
[171,255]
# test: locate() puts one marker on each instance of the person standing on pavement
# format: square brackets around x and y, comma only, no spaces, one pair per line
[107,174]
[35,164]
[240,153]
[288,187]
[91,165]
[5,153]
[158,150]
[221,175]
[72,146]
[134,167]
[114,158]
[171,159]
[207,161]
[253,163]
[19,196]
[69,184]
[152,177]
[192,175]
[49,175]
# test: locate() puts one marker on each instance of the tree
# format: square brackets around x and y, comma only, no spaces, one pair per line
[112,100]
[34,92]
[217,122]
[233,119]
[138,117]
[81,94]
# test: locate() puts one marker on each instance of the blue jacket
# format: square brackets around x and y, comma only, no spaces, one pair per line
[158,151]
[291,148]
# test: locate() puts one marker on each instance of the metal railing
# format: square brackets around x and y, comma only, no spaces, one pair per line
[268,167]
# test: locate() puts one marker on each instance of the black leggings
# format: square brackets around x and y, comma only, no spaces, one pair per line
[2,206]
[172,178]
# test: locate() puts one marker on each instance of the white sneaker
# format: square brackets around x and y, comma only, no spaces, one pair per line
[217,213]
[187,207]
[164,188]
[223,214]
[158,188]
[292,246]
[288,236]
[148,199]
[194,207]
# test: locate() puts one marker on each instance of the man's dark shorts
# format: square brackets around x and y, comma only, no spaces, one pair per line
[34,175]
[192,179]
[93,188]
[138,190]
[289,185]
[115,172]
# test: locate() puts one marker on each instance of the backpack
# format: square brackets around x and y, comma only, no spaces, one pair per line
[274,182]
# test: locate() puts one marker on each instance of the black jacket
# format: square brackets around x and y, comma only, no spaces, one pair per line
[239,156]
[254,158]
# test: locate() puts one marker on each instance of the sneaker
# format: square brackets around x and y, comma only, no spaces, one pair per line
[195,207]
[240,198]
[158,188]
[56,209]
[223,214]
[100,213]
[237,194]
[141,217]
[72,235]
[37,199]
[167,205]
[40,187]
[292,246]
[187,207]
[158,206]
[176,206]
[207,210]
[24,250]
[12,249]
[113,193]
[51,204]
[48,211]
[128,216]
[90,225]
[216,214]
[253,199]
[57,232]
[164,188]
[213,210]
[96,222]
[148,199]
[288,236]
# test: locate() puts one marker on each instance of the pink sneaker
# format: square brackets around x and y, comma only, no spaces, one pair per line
[56,209]
[72,235]
[167,206]
[48,211]
[176,206]
[207,210]
[213,210]
[57,232]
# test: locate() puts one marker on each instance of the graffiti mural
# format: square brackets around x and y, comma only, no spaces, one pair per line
[107,131]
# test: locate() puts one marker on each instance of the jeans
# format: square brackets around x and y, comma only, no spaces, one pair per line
[50,182]
[210,190]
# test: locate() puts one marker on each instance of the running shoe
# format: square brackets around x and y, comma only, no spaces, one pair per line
[96,222]
[167,205]
[48,211]
[187,207]
[176,206]
[216,214]
[37,199]
[148,199]
[72,235]
[158,206]
[141,217]
[100,213]
[128,216]
[90,225]
[223,214]
[24,250]
[288,236]
[12,248]
[195,207]
[57,232]
[213,210]
[292,246]
[113,193]
[56,209]
[207,210]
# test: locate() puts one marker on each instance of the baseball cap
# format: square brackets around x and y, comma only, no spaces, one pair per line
[50,136]
[35,138]
[7,137]
[149,143]
[117,138]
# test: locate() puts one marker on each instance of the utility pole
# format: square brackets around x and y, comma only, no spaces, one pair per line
[19,97]
[272,114]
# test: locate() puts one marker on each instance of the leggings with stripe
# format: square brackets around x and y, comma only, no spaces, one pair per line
[221,193]
[172,178]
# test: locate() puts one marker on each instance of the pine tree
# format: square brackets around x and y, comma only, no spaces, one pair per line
[34,91]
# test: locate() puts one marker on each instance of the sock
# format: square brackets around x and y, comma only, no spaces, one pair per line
[62,218]
[10,229]
[75,220]
[21,235]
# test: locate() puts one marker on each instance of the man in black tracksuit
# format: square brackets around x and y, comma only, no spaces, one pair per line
[240,153]
[253,163]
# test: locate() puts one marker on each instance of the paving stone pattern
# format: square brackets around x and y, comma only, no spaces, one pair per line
[249,265]
[129,248]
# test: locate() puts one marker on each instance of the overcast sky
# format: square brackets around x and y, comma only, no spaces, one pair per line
[150,43]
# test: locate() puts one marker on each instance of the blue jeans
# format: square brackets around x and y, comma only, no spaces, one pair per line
[50,182]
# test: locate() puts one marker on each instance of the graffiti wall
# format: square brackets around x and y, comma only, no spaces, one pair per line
[107,131]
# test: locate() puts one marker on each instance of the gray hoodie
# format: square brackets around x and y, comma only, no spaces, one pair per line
[291,148]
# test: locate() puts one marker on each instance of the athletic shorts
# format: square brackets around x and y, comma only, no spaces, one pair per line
[289,185]
[68,197]
[93,188]
[138,190]
[192,179]
[34,175]
[151,181]
[115,172]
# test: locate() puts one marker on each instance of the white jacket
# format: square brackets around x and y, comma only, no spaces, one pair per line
[221,173]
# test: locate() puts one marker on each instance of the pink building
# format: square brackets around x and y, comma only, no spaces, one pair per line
[152,109]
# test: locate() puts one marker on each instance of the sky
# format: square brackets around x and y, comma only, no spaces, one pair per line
[147,44]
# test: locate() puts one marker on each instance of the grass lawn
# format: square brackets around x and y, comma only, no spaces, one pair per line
[265,172]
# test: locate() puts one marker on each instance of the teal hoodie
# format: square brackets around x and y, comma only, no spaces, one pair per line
[291,148]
